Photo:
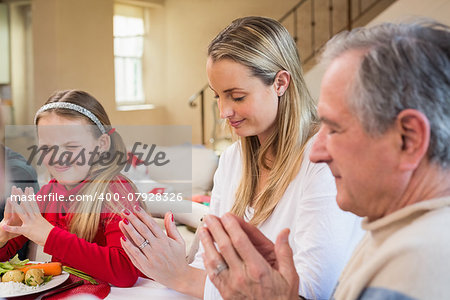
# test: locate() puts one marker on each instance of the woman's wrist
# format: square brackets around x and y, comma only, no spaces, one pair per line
[191,282]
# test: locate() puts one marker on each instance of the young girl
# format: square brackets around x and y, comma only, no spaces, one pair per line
[80,231]
[254,69]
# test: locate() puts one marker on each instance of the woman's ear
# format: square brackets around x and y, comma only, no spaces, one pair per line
[281,82]
[415,133]
[104,143]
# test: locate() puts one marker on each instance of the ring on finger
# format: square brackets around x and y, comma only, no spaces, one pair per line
[144,243]
[220,267]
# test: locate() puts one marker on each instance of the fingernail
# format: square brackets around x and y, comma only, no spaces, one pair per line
[285,238]
[137,208]
[172,217]
[126,221]
[126,212]
[124,238]
[202,233]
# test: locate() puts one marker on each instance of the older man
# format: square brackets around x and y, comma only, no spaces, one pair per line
[385,134]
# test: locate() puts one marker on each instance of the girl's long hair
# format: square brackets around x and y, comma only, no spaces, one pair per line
[265,47]
[85,215]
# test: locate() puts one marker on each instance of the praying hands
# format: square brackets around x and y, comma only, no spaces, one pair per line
[247,265]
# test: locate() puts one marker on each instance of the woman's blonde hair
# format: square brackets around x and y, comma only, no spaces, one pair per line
[85,215]
[265,47]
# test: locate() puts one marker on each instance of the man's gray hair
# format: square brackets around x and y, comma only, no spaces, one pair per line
[403,66]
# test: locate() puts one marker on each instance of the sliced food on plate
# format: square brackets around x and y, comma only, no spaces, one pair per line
[21,277]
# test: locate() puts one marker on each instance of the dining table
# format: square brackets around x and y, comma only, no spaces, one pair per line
[146,289]
[143,289]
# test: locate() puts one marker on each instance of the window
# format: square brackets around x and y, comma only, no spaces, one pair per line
[129,35]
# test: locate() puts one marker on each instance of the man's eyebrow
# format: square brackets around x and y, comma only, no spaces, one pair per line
[71,142]
[329,122]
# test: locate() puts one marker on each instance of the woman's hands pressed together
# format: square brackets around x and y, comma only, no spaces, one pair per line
[159,256]
[239,270]
[25,218]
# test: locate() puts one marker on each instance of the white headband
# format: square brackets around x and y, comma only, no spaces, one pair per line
[74,107]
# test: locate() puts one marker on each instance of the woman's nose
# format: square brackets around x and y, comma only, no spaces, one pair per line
[319,152]
[225,109]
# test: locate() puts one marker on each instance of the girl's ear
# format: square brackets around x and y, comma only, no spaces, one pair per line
[281,82]
[104,143]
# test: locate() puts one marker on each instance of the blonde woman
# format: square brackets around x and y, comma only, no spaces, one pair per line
[79,232]
[266,177]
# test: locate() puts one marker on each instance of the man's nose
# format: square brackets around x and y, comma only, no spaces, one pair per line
[319,152]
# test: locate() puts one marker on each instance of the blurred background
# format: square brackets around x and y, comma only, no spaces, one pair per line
[145,59]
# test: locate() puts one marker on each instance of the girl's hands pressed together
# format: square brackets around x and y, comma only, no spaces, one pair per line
[33,225]
[159,256]
[10,218]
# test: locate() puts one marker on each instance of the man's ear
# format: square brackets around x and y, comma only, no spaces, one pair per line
[414,128]
[104,143]
[281,82]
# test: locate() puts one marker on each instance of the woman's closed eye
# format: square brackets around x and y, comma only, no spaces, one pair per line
[236,98]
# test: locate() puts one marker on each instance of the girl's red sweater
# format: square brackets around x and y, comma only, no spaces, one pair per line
[104,258]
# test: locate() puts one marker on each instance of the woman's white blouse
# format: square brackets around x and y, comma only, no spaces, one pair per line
[322,235]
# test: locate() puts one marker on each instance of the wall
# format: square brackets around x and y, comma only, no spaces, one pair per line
[191,25]
[4,45]
[73,48]
[399,11]
[21,63]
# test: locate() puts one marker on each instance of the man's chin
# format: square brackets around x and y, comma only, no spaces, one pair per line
[346,205]
[343,203]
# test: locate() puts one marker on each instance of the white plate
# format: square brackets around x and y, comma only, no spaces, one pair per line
[54,282]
